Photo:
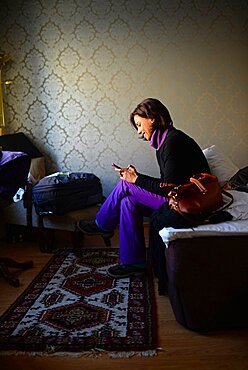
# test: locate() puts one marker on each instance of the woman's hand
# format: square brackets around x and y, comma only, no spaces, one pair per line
[128,174]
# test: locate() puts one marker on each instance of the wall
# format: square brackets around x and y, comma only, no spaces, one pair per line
[80,66]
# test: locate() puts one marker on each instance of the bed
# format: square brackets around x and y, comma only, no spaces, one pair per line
[207,266]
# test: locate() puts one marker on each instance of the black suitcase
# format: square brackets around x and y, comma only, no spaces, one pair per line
[60,193]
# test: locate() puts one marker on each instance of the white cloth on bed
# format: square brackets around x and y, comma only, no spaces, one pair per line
[222,229]
[239,208]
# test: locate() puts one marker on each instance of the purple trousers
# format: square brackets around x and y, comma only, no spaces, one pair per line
[126,205]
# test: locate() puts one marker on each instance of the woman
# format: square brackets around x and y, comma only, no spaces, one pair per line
[138,195]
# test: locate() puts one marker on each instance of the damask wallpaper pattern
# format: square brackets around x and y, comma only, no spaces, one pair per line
[80,66]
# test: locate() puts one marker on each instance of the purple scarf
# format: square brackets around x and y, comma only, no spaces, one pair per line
[158,137]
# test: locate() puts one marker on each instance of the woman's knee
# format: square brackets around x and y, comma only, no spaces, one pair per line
[127,204]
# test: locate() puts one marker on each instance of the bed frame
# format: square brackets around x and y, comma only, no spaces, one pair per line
[208,281]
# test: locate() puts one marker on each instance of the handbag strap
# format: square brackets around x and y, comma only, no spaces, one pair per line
[198,184]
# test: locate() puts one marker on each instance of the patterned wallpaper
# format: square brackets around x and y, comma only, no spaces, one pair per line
[80,66]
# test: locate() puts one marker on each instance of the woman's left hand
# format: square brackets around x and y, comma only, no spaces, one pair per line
[128,174]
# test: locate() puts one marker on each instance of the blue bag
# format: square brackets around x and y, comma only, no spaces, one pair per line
[60,193]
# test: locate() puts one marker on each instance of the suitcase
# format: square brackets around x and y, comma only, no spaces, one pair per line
[60,193]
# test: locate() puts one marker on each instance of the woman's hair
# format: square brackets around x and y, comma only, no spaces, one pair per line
[152,108]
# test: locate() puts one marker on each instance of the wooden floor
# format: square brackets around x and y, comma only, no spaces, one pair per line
[180,348]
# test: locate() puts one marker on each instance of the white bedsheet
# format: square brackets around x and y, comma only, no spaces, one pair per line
[238,225]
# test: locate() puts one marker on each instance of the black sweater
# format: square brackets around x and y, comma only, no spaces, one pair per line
[179,158]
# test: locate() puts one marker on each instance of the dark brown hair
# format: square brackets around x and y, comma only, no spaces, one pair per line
[152,108]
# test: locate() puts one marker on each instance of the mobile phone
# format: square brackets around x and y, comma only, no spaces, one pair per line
[115,166]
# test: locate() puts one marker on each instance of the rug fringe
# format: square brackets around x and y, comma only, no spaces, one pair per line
[128,354]
[44,354]
[95,352]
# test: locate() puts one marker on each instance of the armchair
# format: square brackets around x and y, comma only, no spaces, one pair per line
[25,215]
[18,157]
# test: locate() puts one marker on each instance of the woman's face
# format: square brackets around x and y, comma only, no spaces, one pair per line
[145,126]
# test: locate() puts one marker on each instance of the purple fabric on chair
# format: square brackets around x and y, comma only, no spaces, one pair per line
[14,168]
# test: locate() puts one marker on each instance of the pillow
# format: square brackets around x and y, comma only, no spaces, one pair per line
[220,164]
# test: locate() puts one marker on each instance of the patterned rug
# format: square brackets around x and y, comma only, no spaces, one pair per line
[73,307]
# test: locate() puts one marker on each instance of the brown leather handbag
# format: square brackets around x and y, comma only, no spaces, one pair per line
[202,195]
